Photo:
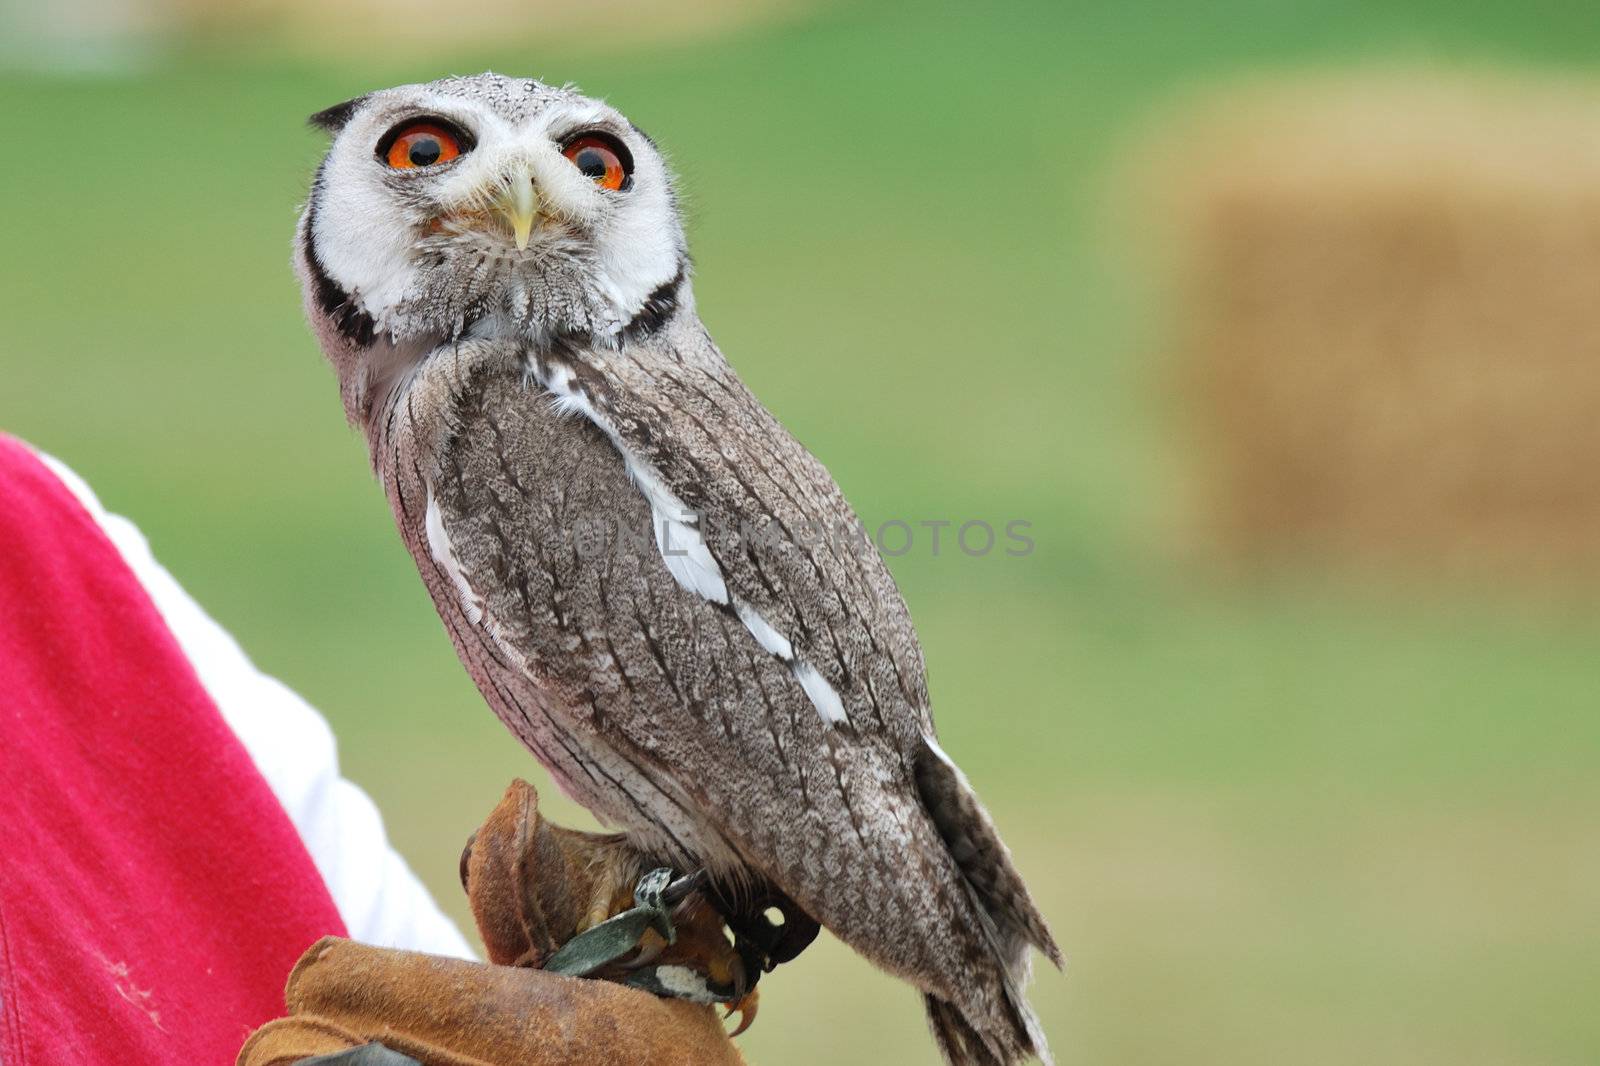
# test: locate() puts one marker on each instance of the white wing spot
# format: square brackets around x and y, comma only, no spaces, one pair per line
[767,636]
[678,537]
[944,757]
[680,543]
[683,547]
[933,746]
[443,554]
[822,695]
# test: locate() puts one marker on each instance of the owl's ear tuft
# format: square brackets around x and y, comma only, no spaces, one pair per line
[332,119]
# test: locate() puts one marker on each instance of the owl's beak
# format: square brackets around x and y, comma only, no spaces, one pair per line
[519,203]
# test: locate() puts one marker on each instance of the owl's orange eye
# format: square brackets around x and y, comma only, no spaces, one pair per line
[422,144]
[602,158]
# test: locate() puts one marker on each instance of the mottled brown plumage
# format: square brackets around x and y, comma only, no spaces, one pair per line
[662,594]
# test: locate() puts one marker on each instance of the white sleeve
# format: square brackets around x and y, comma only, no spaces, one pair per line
[381,901]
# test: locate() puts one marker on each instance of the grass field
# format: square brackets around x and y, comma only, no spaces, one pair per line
[1304,822]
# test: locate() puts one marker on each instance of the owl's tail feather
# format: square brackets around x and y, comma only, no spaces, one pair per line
[964,1044]
[1004,1032]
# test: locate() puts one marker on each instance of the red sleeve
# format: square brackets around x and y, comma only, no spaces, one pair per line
[153,893]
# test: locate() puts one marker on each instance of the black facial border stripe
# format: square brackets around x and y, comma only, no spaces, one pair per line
[659,306]
[353,324]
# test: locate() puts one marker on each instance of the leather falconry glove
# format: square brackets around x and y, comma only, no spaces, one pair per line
[593,957]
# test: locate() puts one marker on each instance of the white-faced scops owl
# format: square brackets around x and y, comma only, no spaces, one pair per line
[658,590]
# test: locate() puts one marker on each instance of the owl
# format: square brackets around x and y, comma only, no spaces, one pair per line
[659,591]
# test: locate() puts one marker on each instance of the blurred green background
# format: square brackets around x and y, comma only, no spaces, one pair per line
[1298,821]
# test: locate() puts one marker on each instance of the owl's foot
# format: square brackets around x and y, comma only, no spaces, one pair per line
[670,942]
[584,904]
[616,877]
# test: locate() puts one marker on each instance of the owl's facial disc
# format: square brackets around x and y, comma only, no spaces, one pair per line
[485,205]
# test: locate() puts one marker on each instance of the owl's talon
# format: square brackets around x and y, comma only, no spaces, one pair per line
[612,892]
[680,889]
[745,1008]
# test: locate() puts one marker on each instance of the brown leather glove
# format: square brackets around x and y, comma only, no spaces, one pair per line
[532,887]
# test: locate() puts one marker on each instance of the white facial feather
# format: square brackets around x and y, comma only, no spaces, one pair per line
[406,246]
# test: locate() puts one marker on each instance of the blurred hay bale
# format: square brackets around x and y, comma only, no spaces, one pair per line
[1389,334]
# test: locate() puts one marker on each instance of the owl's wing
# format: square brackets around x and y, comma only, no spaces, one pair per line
[748,519]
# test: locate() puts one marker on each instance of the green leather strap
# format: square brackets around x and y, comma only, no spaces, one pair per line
[621,933]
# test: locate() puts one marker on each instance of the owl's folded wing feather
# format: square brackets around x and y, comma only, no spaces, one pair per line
[748,519]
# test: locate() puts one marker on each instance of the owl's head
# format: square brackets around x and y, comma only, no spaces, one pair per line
[483,206]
